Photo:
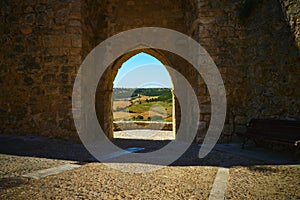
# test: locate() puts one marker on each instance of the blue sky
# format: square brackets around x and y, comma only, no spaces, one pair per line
[142,71]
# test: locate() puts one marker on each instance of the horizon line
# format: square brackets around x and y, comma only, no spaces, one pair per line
[142,88]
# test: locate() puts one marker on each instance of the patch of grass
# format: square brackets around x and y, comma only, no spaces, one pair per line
[140,108]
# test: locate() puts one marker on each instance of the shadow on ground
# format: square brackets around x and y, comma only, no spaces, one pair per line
[226,155]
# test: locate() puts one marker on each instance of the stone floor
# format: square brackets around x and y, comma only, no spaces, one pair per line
[253,173]
[144,134]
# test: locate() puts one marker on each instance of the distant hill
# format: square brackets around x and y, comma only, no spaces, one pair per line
[142,104]
[121,93]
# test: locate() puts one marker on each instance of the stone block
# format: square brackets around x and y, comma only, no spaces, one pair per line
[49,78]
[63,78]
[28,80]
[25,29]
[30,19]
[56,60]
[56,51]
[76,59]
[53,40]
[11,18]
[204,100]
[75,51]
[40,8]
[67,69]
[205,109]
[76,40]
[75,23]
[61,16]
[66,90]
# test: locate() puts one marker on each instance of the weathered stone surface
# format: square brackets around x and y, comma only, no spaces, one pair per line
[28,80]
[29,19]
[44,43]
[42,19]
[48,78]
[25,29]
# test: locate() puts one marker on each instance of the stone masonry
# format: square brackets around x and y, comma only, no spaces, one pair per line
[255,44]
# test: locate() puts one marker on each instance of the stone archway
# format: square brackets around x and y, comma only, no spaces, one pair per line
[105,90]
[105,19]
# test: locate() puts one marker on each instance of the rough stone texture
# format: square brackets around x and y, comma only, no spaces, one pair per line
[40,54]
[255,45]
[273,58]
[292,15]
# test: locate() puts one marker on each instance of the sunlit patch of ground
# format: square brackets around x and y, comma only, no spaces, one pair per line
[97,181]
[264,182]
[145,134]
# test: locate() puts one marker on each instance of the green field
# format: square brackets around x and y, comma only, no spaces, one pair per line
[142,104]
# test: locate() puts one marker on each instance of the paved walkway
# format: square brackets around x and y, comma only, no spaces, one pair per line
[144,134]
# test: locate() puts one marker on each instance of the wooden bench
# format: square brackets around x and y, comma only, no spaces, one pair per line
[282,131]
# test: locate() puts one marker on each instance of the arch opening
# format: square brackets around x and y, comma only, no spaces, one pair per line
[142,100]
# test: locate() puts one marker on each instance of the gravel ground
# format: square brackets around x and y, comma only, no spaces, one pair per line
[264,182]
[14,166]
[97,181]
[187,178]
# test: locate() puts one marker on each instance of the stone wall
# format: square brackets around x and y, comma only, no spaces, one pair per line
[273,58]
[252,44]
[291,10]
[167,14]
[255,45]
[122,125]
[40,54]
